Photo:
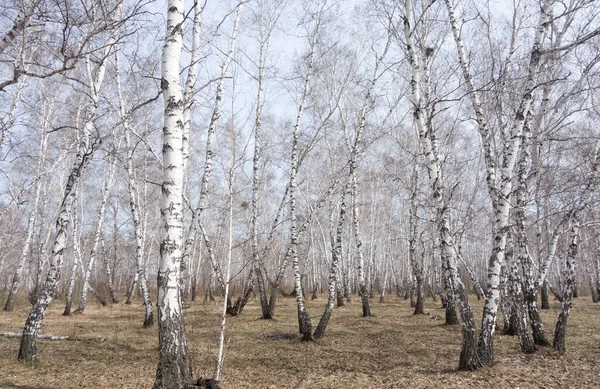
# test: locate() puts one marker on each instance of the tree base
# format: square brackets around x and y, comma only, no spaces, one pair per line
[204,383]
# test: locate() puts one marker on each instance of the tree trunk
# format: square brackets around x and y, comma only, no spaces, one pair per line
[28,348]
[109,274]
[99,227]
[173,368]
[545,299]
[568,286]
[16,281]
[132,288]
[336,254]
[76,261]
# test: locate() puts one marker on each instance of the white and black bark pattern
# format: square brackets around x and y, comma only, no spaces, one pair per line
[333,270]
[173,364]
[484,129]
[597,285]
[305,325]
[99,226]
[503,206]
[268,306]
[569,281]
[267,24]
[16,281]
[353,166]
[518,309]
[468,358]
[567,286]
[75,236]
[416,266]
[25,13]
[190,84]
[28,348]
[362,284]
[288,255]
[216,267]
[109,273]
[524,258]
[500,191]
[230,184]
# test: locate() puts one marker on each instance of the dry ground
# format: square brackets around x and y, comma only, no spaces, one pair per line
[393,349]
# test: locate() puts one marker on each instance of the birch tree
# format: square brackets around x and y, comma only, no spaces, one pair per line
[132,186]
[85,149]
[574,220]
[17,276]
[173,363]
[500,188]
[468,357]
[108,178]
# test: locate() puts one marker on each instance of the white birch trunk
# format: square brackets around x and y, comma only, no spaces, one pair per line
[500,192]
[230,182]
[188,97]
[468,358]
[25,13]
[28,348]
[209,153]
[75,236]
[109,273]
[362,285]
[173,364]
[264,43]
[16,281]
[99,226]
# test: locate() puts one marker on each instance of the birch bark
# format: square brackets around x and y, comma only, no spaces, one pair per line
[28,348]
[99,226]
[468,357]
[173,364]
[501,190]
[76,237]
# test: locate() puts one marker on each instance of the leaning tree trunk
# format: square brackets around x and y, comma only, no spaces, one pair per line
[500,192]
[333,270]
[28,348]
[468,357]
[173,363]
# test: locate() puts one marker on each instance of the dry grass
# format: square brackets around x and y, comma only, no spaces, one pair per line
[394,349]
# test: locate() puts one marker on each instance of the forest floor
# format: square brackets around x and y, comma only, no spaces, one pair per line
[108,348]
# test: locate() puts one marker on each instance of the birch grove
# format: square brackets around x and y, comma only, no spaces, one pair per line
[254,151]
